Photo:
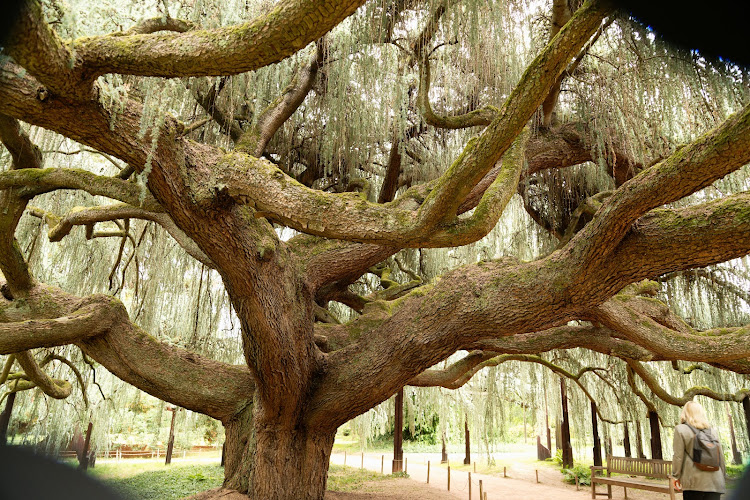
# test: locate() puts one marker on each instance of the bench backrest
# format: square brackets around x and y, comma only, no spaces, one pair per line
[639,466]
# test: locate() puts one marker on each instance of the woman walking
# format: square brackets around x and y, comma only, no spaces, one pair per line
[696,483]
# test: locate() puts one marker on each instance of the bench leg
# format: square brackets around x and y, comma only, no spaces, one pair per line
[626,493]
[593,489]
[609,491]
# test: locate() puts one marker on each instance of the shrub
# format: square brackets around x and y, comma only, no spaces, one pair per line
[581,471]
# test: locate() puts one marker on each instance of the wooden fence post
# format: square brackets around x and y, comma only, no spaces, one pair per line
[481,490]
[382,461]
[362,465]
[449,478]
[537,474]
[428,472]
[469,485]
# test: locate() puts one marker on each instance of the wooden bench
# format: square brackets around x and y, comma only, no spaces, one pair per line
[661,469]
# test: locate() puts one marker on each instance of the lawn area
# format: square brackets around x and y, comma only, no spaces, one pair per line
[153,480]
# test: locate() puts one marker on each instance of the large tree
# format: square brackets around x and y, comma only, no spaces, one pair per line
[223,185]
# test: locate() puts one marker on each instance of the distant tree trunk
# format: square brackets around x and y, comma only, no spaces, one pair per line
[595,430]
[524,424]
[653,421]
[83,457]
[5,417]
[467,459]
[398,434]
[639,440]
[444,456]
[626,440]
[736,457]
[546,422]
[567,449]
[746,407]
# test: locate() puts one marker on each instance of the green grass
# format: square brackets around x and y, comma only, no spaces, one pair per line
[342,478]
[154,480]
[735,471]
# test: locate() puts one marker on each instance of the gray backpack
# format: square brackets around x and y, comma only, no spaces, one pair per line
[706,450]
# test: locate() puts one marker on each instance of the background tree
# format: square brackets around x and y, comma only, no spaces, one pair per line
[362,143]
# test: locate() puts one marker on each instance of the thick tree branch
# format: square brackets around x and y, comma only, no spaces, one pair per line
[37,48]
[228,50]
[100,326]
[693,167]
[25,155]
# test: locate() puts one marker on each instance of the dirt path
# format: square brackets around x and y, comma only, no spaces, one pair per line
[520,483]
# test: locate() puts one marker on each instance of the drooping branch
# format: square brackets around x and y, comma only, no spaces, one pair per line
[39,181]
[688,395]
[650,323]
[100,326]
[449,310]
[88,216]
[58,389]
[55,357]
[478,117]
[460,372]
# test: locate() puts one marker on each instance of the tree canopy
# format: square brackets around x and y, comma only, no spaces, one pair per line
[365,188]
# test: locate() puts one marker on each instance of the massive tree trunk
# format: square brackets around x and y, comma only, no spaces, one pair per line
[280,461]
